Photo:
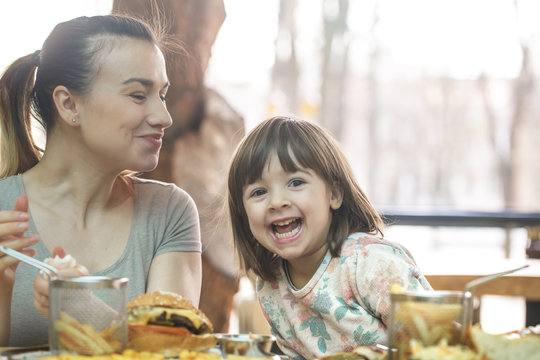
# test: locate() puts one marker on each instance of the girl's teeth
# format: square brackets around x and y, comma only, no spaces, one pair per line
[283,223]
[288,234]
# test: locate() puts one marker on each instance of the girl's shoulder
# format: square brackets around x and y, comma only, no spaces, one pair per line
[362,242]
[361,239]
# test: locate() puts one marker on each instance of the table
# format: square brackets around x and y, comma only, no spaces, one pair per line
[524,283]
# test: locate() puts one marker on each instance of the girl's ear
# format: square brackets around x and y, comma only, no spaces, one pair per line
[66,105]
[336,197]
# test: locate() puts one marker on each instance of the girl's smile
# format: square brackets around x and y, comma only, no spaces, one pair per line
[287,230]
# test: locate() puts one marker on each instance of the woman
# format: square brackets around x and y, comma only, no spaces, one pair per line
[99,91]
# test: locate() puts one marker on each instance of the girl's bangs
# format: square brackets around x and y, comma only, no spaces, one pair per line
[292,146]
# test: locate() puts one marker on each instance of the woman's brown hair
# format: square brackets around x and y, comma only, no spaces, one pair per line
[313,148]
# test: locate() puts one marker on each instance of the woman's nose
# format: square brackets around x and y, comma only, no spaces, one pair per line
[160,115]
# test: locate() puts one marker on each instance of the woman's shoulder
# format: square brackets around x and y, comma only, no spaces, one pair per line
[11,180]
[10,188]
[150,193]
[156,187]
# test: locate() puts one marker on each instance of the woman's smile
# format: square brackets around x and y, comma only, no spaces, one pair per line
[154,139]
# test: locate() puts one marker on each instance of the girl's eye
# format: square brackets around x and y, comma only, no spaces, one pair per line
[297,182]
[163,98]
[257,192]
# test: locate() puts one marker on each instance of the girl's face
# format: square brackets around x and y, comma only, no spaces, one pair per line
[290,213]
[123,118]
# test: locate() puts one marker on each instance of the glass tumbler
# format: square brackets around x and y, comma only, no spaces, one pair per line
[87,315]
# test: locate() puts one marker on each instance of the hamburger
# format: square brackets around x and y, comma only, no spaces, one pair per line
[167,323]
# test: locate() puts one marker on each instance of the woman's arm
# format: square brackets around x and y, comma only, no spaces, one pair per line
[178,272]
[13,224]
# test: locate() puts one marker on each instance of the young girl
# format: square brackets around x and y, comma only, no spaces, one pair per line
[302,224]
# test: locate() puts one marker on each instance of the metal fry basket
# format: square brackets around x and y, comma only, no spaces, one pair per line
[87,315]
[427,318]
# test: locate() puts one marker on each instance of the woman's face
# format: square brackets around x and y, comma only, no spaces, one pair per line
[123,118]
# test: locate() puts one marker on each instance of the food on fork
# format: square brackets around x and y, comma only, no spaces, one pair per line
[66,262]
[167,323]
[61,261]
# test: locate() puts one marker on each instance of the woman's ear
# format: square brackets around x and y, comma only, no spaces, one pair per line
[336,197]
[66,105]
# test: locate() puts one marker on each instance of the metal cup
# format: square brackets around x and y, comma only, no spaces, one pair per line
[427,318]
[87,315]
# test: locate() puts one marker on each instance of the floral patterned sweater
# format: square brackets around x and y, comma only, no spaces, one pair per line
[345,304]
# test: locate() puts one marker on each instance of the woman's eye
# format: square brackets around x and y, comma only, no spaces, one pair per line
[139,97]
[163,98]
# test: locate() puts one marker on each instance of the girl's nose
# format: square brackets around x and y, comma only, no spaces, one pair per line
[278,200]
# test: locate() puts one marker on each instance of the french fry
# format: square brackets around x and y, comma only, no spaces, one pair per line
[422,328]
[89,330]
[64,316]
[67,343]
[78,335]
[83,338]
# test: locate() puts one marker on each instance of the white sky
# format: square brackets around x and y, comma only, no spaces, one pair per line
[25,24]
[462,36]
[456,37]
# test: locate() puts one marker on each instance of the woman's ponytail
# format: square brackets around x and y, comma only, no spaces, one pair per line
[18,150]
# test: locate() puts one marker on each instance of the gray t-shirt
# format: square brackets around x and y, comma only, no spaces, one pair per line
[165,219]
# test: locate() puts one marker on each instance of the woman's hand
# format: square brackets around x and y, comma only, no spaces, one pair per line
[13,225]
[41,284]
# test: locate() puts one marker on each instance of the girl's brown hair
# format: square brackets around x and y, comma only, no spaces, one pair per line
[69,57]
[313,148]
